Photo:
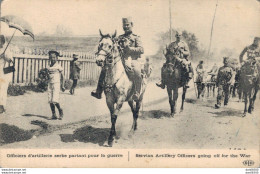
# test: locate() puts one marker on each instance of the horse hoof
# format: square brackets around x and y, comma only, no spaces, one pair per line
[130,134]
[244,114]
[172,115]
[110,141]
[181,110]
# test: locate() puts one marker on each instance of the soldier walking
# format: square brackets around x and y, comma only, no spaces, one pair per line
[75,67]
[223,82]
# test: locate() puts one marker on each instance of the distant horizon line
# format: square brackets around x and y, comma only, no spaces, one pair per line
[59,35]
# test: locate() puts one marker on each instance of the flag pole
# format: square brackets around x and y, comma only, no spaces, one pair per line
[170,14]
[211,31]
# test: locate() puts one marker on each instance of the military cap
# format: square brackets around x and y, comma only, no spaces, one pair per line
[225,59]
[75,56]
[201,61]
[55,52]
[257,38]
[127,20]
[2,39]
[177,34]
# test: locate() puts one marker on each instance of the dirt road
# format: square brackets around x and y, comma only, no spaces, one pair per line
[86,123]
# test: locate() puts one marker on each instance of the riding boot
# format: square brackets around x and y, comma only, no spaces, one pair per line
[161,84]
[99,90]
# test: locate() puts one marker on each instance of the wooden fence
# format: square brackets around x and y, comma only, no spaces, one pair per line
[27,67]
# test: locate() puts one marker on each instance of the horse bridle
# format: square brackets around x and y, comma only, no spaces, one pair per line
[107,54]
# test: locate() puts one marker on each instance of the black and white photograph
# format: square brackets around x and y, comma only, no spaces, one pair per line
[147,83]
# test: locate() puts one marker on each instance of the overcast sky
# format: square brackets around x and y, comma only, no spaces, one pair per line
[236,23]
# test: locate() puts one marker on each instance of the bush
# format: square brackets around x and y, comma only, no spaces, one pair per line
[42,80]
[15,90]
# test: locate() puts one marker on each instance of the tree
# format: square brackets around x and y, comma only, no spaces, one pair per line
[196,53]
[61,30]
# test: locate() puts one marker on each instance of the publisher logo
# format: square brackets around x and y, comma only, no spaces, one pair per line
[248,163]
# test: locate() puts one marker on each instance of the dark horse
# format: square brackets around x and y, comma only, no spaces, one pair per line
[119,88]
[249,83]
[174,79]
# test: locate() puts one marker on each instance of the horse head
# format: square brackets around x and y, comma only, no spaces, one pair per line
[106,49]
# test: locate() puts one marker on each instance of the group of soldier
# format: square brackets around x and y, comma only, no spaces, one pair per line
[132,47]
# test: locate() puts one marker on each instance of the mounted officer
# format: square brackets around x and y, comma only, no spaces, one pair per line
[252,51]
[223,82]
[132,50]
[181,51]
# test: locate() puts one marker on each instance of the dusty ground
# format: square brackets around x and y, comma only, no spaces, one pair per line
[86,123]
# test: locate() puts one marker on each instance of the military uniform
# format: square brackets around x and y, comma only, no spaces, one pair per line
[132,49]
[75,68]
[181,50]
[223,82]
[200,72]
[251,51]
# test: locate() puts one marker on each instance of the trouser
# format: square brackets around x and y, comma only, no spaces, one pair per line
[137,76]
[101,81]
[54,92]
[136,67]
[74,84]
[223,90]
[3,92]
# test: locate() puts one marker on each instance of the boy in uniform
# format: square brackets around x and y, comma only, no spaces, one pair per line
[56,81]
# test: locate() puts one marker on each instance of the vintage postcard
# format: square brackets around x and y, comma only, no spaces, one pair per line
[129,83]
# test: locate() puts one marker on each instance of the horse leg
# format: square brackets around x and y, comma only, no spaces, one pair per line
[199,89]
[175,97]
[254,98]
[245,98]
[208,88]
[134,108]
[183,98]
[136,114]
[111,108]
[213,90]
[169,90]
[203,90]
[114,115]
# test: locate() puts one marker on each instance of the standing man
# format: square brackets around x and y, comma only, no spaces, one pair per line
[181,50]
[214,70]
[200,71]
[5,58]
[223,82]
[75,67]
[132,50]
